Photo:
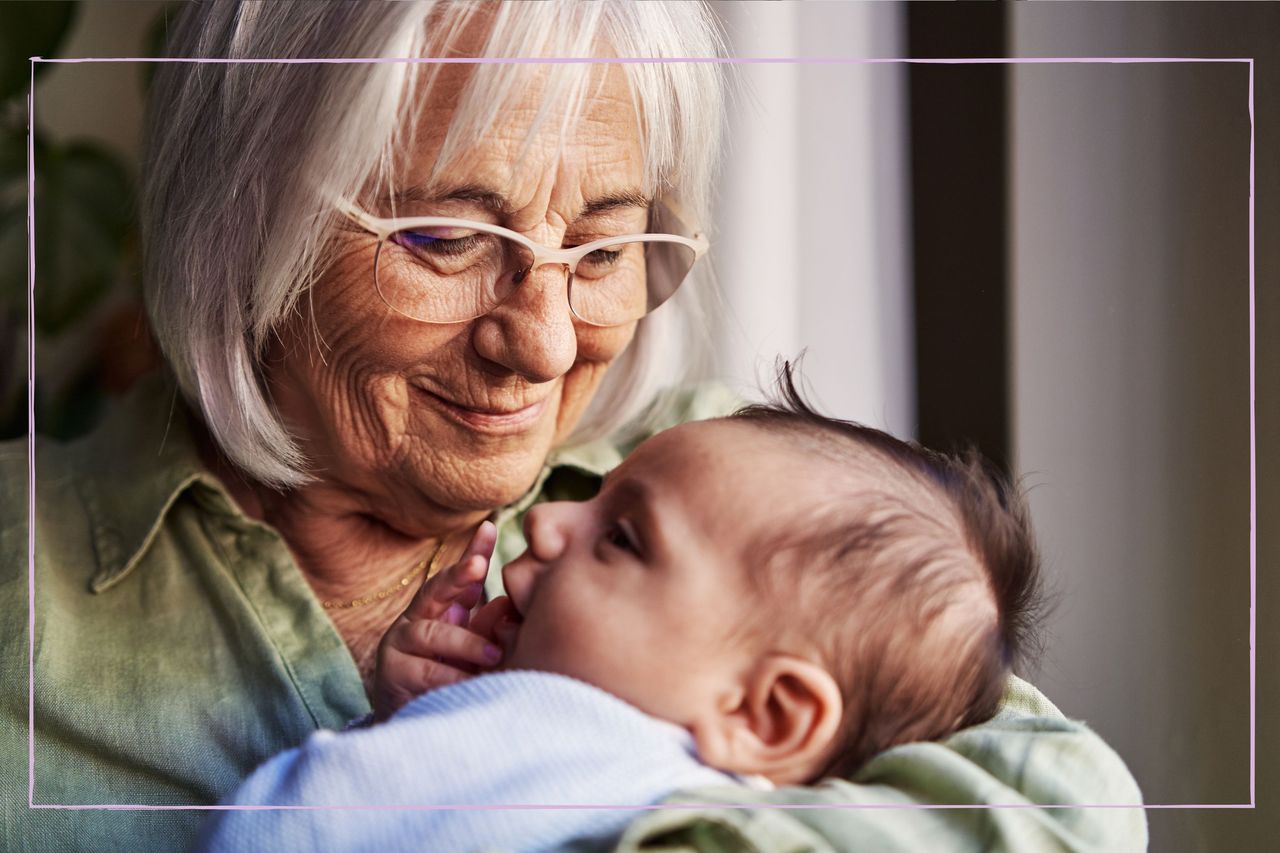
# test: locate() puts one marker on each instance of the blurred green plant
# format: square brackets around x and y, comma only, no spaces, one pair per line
[85,238]
[30,29]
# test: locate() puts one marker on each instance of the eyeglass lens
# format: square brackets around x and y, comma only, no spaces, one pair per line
[452,274]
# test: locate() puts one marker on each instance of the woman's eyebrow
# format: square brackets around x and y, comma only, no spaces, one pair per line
[496,202]
[487,198]
[625,198]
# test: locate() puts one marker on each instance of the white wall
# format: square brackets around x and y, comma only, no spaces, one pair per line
[1130,204]
[813,242]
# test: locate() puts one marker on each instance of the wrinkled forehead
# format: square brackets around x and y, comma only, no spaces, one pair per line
[513,127]
[498,119]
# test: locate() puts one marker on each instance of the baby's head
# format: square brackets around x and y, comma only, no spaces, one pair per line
[800,593]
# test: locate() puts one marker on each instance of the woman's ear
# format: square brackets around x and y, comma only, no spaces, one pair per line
[781,724]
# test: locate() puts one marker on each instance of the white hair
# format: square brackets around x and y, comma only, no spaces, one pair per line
[244,160]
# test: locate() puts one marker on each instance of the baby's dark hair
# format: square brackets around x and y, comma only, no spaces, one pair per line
[921,591]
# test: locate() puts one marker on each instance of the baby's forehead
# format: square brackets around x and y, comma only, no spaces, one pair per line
[797,471]
[724,448]
[746,447]
[715,470]
[737,470]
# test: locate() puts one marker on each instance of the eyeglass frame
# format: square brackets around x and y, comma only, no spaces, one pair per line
[383,228]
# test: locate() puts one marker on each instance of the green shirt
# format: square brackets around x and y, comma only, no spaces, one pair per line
[176,646]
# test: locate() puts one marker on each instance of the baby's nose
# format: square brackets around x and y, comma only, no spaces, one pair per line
[544,531]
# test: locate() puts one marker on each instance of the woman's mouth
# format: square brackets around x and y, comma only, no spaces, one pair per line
[496,421]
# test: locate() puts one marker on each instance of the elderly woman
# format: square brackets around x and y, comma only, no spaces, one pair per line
[397,299]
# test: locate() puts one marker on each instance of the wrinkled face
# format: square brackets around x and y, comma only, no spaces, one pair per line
[642,590]
[424,420]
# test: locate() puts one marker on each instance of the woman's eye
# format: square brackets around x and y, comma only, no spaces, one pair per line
[602,258]
[444,241]
[620,537]
[601,262]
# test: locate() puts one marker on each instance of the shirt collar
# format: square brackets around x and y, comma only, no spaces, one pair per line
[133,467]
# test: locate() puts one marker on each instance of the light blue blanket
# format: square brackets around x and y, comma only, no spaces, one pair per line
[564,743]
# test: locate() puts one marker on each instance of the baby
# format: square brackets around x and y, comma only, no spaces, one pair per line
[774,594]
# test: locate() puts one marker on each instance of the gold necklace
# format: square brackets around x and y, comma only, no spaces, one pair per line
[428,563]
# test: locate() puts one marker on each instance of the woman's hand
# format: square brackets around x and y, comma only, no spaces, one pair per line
[431,644]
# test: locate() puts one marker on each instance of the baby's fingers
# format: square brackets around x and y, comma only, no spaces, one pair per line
[402,677]
[482,542]
[498,621]
[459,584]
[440,640]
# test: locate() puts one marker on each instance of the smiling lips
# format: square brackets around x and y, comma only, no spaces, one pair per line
[488,420]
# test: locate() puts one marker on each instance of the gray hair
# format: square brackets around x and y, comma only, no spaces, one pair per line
[244,160]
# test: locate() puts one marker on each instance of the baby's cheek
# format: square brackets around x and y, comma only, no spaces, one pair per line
[595,652]
[541,644]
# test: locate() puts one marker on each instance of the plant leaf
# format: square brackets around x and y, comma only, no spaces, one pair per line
[83,201]
[30,29]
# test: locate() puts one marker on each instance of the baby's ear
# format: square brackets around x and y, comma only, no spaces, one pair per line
[781,724]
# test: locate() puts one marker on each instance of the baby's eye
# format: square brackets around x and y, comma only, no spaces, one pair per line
[619,535]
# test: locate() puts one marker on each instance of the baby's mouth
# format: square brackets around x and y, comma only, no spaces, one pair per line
[511,618]
[500,621]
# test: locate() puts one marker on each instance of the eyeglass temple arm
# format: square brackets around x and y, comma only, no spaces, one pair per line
[358,216]
[672,203]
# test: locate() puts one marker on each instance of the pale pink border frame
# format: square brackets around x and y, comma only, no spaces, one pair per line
[758,60]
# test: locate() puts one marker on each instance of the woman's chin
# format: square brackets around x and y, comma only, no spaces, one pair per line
[480,486]
[472,473]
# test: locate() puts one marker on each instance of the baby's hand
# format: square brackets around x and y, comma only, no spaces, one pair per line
[431,645]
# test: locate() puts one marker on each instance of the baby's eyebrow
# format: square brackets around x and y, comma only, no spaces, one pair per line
[632,488]
[639,496]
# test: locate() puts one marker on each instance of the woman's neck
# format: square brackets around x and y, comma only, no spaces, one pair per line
[342,542]
[346,551]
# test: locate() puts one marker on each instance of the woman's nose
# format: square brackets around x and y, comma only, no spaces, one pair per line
[546,529]
[532,332]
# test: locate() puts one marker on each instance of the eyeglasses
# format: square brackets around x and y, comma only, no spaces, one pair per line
[443,270]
